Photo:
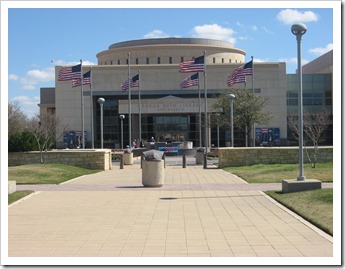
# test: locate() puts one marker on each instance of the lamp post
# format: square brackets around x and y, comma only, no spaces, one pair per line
[122,118]
[298,30]
[232,98]
[101,102]
[218,115]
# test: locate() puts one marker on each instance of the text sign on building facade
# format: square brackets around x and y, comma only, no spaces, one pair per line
[167,105]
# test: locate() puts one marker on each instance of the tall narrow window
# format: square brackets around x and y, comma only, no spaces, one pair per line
[158,60]
[182,59]
[147,60]
[214,60]
[118,62]
[170,60]
[136,61]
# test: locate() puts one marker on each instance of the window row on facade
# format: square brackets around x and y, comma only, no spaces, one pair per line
[168,60]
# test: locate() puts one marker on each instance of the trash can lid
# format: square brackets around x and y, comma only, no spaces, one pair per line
[153,154]
[200,150]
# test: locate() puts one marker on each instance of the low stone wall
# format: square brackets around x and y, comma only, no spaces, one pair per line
[85,158]
[269,155]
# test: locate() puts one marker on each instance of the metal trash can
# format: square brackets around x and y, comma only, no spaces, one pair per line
[152,168]
[199,157]
[127,157]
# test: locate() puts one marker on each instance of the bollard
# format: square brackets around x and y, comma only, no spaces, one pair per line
[121,161]
[205,161]
[184,161]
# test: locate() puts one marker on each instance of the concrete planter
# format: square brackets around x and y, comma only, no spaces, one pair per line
[153,173]
[127,158]
[12,186]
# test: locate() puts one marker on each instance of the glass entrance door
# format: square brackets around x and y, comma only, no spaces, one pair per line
[169,128]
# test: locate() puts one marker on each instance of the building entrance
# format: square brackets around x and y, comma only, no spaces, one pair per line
[170,128]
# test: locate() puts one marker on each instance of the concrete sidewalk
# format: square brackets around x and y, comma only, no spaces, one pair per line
[197,213]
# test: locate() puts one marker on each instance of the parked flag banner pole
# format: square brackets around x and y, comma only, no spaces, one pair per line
[196,65]
[129,103]
[91,106]
[189,82]
[82,104]
[239,76]
[200,133]
[139,107]
[253,93]
[206,116]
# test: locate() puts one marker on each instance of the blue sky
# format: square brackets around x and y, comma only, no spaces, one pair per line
[38,36]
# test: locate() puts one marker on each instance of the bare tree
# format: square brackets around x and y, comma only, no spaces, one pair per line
[46,128]
[17,120]
[314,125]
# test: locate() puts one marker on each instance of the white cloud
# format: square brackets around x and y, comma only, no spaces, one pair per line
[290,16]
[244,38]
[36,76]
[156,34]
[13,77]
[258,60]
[214,31]
[267,31]
[254,28]
[63,62]
[321,51]
[293,60]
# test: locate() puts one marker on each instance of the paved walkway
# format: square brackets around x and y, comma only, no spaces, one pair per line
[198,212]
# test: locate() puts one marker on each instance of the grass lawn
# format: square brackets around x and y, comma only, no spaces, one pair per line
[315,206]
[275,173]
[46,173]
[42,174]
[17,195]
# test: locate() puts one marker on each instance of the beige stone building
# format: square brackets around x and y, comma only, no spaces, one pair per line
[167,112]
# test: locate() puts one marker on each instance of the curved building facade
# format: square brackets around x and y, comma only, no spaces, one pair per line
[170,51]
[159,108]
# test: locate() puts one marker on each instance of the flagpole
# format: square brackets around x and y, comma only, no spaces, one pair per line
[200,136]
[206,116]
[129,103]
[253,93]
[82,103]
[139,108]
[91,107]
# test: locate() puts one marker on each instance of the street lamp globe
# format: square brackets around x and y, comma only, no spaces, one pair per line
[101,100]
[298,29]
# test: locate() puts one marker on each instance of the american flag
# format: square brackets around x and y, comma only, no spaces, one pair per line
[69,72]
[194,65]
[190,81]
[86,80]
[240,73]
[134,83]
